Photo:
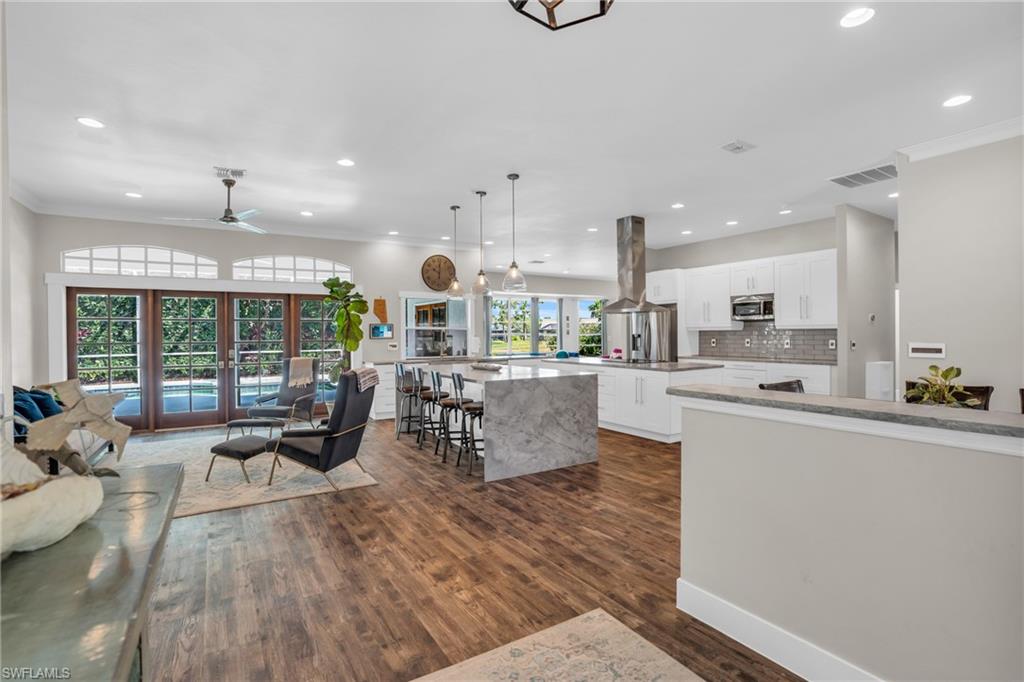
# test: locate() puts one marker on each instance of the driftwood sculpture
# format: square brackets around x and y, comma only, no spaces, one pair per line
[92,412]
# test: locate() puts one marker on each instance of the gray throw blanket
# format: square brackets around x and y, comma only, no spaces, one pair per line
[366,377]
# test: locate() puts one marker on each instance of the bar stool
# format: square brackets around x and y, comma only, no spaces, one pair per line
[410,394]
[473,412]
[453,406]
[429,399]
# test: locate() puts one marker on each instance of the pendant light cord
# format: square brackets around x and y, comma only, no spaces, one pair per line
[513,219]
[455,237]
[481,195]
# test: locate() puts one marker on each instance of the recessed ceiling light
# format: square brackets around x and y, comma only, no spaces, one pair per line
[133,195]
[445,237]
[730,223]
[346,162]
[565,272]
[547,255]
[957,100]
[591,229]
[686,232]
[785,211]
[90,122]
[853,18]
[308,214]
[393,232]
[488,243]
[894,195]
[678,205]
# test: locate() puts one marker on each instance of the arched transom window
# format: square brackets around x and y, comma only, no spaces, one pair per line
[138,261]
[289,269]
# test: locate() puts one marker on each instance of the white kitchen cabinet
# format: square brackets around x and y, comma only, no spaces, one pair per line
[817,379]
[707,299]
[743,377]
[383,406]
[661,286]
[806,290]
[752,277]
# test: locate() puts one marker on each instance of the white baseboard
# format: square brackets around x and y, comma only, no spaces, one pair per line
[788,650]
[641,433]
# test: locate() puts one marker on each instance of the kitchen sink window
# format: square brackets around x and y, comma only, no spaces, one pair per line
[522,325]
[434,327]
[589,330]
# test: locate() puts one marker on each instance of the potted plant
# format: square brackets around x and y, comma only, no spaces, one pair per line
[938,388]
[348,318]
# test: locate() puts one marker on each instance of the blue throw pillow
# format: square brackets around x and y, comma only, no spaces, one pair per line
[25,408]
[45,402]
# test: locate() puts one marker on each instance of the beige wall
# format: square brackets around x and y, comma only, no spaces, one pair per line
[798,238]
[900,557]
[382,269]
[961,258]
[866,246]
[27,314]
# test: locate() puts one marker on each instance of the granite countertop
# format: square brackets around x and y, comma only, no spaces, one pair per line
[506,373]
[450,359]
[739,358]
[649,366]
[935,416]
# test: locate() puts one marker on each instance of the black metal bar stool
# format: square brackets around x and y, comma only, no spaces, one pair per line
[430,399]
[473,412]
[452,406]
[405,412]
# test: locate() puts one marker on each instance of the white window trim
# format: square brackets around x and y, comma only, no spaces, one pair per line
[177,258]
[402,328]
[336,269]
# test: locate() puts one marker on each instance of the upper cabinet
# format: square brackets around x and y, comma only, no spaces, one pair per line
[662,286]
[806,291]
[707,301]
[752,277]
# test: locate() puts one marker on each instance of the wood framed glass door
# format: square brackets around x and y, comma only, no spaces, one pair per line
[317,338]
[259,344]
[107,331]
[190,382]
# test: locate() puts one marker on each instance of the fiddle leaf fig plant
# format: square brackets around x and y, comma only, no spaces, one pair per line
[939,388]
[348,318]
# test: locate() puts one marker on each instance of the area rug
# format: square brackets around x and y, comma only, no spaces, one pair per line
[227,488]
[592,647]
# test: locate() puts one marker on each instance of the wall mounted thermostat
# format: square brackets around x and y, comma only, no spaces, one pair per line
[926,350]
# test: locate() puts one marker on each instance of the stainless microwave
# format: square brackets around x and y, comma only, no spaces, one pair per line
[760,307]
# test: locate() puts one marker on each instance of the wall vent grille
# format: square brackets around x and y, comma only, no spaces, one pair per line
[866,177]
[738,146]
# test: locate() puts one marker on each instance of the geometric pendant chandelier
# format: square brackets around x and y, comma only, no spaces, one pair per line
[570,14]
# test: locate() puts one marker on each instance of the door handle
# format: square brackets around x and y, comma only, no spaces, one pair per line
[808,305]
[636,390]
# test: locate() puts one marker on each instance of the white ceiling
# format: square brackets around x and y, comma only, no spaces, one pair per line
[623,115]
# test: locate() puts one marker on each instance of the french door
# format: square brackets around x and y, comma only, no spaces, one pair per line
[189,370]
[190,358]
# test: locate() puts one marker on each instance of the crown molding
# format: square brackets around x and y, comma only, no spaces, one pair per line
[995,132]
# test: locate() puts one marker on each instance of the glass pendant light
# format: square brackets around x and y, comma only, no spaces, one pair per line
[455,290]
[514,279]
[481,286]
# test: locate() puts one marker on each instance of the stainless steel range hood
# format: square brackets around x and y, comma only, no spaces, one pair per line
[631,250]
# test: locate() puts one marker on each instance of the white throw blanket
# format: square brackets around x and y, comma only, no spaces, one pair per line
[301,372]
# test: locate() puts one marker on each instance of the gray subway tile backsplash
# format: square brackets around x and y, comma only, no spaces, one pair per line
[768,342]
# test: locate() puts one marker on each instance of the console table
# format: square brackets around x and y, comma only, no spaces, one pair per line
[80,605]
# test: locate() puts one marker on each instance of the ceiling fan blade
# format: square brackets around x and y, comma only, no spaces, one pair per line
[191,220]
[242,215]
[250,227]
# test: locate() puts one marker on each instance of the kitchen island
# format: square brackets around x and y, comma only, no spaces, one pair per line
[887,537]
[535,418]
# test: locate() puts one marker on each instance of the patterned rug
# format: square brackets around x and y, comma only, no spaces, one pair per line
[593,647]
[227,488]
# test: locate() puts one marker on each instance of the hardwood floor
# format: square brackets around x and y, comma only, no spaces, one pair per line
[429,568]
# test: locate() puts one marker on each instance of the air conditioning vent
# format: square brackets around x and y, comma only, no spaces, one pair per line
[225,172]
[536,262]
[738,146]
[866,177]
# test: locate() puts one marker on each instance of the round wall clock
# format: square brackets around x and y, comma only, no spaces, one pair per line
[438,272]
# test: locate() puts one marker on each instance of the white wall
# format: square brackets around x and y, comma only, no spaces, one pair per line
[383,269]
[27,318]
[961,257]
[866,254]
[798,238]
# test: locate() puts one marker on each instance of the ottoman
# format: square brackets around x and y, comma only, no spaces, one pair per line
[239,449]
[261,423]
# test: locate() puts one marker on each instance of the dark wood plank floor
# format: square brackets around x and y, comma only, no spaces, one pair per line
[429,568]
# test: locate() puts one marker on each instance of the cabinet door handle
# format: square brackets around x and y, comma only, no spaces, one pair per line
[636,390]
[808,305]
[641,390]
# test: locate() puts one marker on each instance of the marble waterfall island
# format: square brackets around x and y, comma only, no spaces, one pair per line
[535,419]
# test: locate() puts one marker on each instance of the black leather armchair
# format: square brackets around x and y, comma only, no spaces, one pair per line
[293,403]
[324,449]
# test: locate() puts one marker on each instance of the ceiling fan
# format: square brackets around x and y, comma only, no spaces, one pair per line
[230,217]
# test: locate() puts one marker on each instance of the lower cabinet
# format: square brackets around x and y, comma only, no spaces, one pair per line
[384,394]
[816,378]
